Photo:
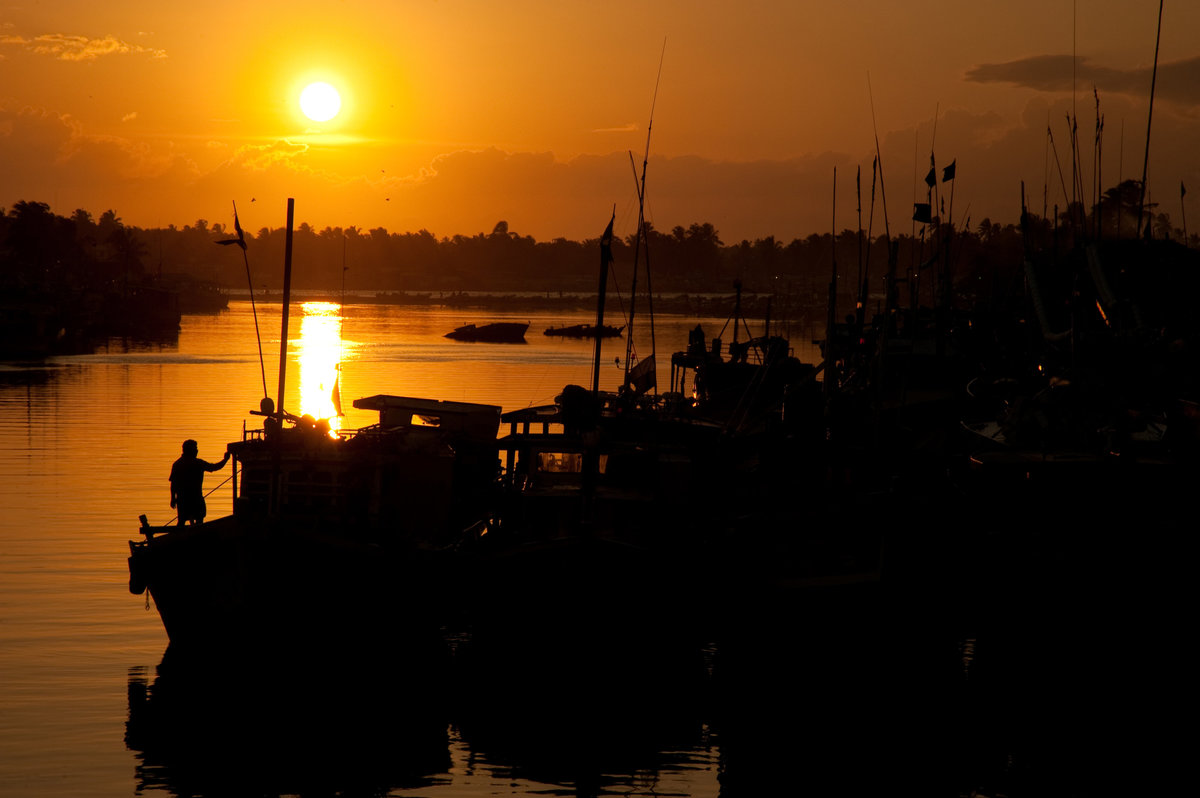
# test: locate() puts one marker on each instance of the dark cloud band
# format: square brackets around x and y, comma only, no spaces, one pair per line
[1178,81]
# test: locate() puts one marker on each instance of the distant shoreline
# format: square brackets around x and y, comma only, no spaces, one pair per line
[700,305]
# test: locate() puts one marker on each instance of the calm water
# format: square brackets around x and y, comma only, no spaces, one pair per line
[809,697]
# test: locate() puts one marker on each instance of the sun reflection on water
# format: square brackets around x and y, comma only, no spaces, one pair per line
[320,356]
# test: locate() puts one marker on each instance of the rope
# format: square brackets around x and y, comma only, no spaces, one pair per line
[175,517]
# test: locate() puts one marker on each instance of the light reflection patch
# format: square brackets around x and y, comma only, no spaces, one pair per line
[320,356]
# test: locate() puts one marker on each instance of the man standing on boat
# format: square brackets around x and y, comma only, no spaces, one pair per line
[187,483]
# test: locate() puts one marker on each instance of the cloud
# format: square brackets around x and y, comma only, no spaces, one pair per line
[129,117]
[152,181]
[262,157]
[628,127]
[1178,81]
[65,47]
[51,157]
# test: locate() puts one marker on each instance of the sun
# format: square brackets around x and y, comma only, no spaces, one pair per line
[320,102]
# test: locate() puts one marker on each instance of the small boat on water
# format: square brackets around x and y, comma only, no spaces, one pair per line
[585,331]
[498,332]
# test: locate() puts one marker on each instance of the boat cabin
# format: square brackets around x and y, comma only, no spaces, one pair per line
[423,472]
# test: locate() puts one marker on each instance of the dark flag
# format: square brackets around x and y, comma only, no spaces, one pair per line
[922,212]
[1182,190]
[241,237]
[642,377]
[606,242]
[606,258]
[948,172]
[931,178]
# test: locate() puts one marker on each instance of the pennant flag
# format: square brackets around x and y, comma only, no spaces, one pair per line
[931,178]
[922,212]
[241,237]
[948,172]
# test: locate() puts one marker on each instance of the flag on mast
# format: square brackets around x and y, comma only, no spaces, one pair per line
[241,237]
[606,241]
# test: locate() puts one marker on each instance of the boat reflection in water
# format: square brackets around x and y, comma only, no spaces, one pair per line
[833,694]
[337,726]
[588,717]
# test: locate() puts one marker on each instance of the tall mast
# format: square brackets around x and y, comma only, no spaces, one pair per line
[287,297]
[887,233]
[641,237]
[1149,117]
[637,249]
[831,371]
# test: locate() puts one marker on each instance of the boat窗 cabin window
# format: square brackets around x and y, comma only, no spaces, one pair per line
[560,462]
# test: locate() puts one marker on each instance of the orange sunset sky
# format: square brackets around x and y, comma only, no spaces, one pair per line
[456,114]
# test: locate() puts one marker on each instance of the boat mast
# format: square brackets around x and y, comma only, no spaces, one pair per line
[831,370]
[1149,118]
[287,295]
[641,231]
[637,249]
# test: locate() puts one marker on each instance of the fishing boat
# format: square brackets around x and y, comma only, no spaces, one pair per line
[585,331]
[333,538]
[498,332]
[757,382]
[326,530]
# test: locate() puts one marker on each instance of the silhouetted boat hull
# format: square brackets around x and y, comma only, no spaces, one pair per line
[500,332]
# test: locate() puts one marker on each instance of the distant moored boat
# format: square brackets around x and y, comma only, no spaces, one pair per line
[585,331]
[500,332]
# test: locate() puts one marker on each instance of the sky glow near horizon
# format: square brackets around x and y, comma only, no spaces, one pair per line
[456,115]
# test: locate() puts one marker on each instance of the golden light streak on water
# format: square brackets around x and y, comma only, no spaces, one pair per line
[320,354]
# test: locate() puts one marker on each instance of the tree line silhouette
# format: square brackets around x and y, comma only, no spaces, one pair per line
[93,267]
